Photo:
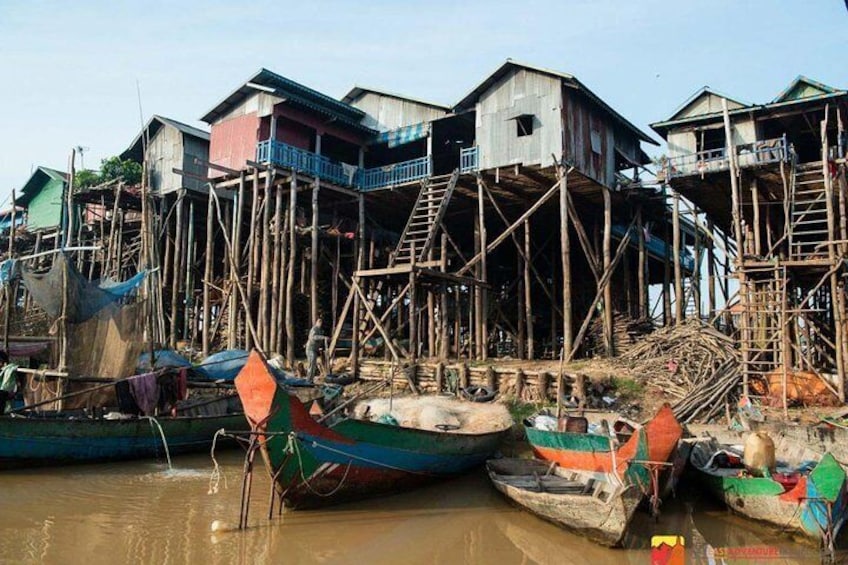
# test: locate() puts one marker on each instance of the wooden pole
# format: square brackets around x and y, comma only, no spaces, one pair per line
[528,293]
[313,281]
[608,317]
[565,260]
[207,273]
[696,272]
[481,218]
[176,271]
[679,300]
[290,332]
[251,256]
[642,266]
[666,269]
[275,341]
[360,258]
[9,298]
[711,270]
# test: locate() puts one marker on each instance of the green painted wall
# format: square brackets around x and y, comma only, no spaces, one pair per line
[45,208]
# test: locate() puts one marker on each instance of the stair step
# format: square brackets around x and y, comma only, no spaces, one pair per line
[814,181]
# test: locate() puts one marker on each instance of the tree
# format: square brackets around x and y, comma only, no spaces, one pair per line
[110,169]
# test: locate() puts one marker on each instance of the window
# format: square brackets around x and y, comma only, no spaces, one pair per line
[524,125]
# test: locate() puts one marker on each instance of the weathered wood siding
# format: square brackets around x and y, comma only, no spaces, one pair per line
[706,103]
[588,137]
[199,149]
[164,154]
[385,113]
[520,92]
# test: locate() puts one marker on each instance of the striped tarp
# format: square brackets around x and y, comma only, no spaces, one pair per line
[406,134]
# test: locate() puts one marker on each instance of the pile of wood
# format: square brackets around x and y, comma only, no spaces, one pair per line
[693,362]
[626,332]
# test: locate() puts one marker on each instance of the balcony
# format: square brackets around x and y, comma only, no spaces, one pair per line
[714,160]
[469,159]
[343,174]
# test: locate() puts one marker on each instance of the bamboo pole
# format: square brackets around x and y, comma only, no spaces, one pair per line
[188,299]
[696,272]
[251,257]
[236,262]
[481,218]
[711,270]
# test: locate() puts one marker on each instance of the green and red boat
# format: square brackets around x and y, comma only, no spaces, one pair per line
[800,496]
[316,464]
[603,453]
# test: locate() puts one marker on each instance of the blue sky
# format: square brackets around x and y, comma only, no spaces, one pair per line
[68,71]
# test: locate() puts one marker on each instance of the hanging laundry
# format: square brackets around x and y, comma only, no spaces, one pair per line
[145,391]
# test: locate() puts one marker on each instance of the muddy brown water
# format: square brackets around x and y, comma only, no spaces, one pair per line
[141,512]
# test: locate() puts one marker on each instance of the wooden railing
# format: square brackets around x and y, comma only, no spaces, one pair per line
[712,160]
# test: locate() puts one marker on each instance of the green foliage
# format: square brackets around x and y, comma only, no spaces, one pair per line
[115,167]
[627,389]
[86,178]
[521,410]
[110,169]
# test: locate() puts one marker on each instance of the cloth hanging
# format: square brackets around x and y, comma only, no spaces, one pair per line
[145,392]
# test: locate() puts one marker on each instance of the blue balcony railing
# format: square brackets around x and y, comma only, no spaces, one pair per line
[713,160]
[395,174]
[343,174]
[468,159]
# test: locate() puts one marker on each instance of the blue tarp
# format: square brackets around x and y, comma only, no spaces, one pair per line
[164,358]
[224,365]
[655,246]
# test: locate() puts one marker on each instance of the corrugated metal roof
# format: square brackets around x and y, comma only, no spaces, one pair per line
[801,79]
[294,92]
[471,98]
[663,127]
[136,152]
[358,91]
[37,180]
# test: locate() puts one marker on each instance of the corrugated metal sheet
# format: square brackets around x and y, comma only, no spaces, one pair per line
[583,122]
[520,92]
[385,113]
[233,142]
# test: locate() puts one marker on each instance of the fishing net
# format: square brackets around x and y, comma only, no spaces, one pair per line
[84,298]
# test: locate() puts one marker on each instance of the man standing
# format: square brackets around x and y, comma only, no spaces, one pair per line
[313,346]
[8,381]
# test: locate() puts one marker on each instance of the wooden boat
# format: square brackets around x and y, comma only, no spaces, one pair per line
[316,464]
[60,438]
[601,452]
[599,507]
[803,496]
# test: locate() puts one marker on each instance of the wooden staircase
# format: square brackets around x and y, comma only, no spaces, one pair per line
[424,222]
[808,222]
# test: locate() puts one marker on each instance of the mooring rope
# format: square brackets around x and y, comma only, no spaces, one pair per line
[293,447]
[215,477]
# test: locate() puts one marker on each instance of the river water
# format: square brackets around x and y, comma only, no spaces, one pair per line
[141,512]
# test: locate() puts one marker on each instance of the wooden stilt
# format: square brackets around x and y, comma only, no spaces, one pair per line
[679,300]
[528,293]
[608,308]
[313,278]
[177,270]
[207,273]
[290,330]
[565,260]
[276,269]
[642,266]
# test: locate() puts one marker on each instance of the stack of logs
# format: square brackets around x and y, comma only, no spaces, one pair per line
[693,362]
[432,378]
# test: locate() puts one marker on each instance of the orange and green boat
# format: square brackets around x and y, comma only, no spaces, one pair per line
[603,453]
[804,496]
[317,463]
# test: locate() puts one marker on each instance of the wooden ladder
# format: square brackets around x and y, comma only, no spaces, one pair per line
[425,220]
[808,222]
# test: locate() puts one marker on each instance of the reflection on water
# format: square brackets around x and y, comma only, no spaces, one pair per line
[144,513]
